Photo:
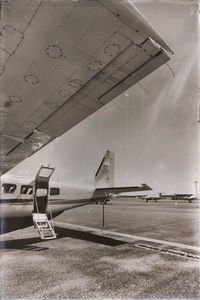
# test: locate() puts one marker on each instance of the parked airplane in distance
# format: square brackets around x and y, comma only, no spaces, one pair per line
[155,196]
[186,197]
[192,197]
[23,202]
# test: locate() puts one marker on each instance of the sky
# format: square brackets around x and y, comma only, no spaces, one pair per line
[152,128]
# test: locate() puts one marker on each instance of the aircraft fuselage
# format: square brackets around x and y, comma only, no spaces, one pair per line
[17,197]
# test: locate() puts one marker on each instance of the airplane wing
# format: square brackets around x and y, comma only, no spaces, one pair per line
[60,61]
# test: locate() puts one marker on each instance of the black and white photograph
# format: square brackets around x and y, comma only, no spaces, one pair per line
[99,149]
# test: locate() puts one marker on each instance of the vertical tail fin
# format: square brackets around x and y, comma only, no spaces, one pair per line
[104,176]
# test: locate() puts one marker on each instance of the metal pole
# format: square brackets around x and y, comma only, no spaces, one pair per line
[196,182]
[103,216]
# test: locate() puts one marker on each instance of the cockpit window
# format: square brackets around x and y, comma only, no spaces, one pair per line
[26,189]
[54,191]
[9,188]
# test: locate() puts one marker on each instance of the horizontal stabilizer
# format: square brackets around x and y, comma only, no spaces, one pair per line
[102,192]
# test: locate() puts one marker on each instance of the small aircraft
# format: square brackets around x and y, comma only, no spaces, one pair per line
[192,198]
[23,202]
[61,61]
[155,196]
[186,197]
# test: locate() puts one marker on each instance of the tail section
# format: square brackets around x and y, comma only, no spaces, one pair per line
[104,176]
[104,180]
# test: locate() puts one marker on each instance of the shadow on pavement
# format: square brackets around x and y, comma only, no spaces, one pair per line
[29,243]
[87,236]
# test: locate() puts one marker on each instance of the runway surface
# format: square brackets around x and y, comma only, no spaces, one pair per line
[121,236]
[145,251]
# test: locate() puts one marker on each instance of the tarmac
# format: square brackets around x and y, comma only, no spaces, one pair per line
[144,251]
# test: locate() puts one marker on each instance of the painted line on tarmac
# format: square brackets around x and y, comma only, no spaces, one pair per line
[169,251]
[125,235]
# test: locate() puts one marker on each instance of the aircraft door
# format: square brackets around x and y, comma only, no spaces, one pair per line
[42,178]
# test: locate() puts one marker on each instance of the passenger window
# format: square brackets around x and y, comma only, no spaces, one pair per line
[9,188]
[54,191]
[30,191]
[26,189]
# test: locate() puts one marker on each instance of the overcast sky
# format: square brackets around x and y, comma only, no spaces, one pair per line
[152,128]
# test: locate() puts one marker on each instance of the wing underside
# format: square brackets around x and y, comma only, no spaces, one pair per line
[60,61]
